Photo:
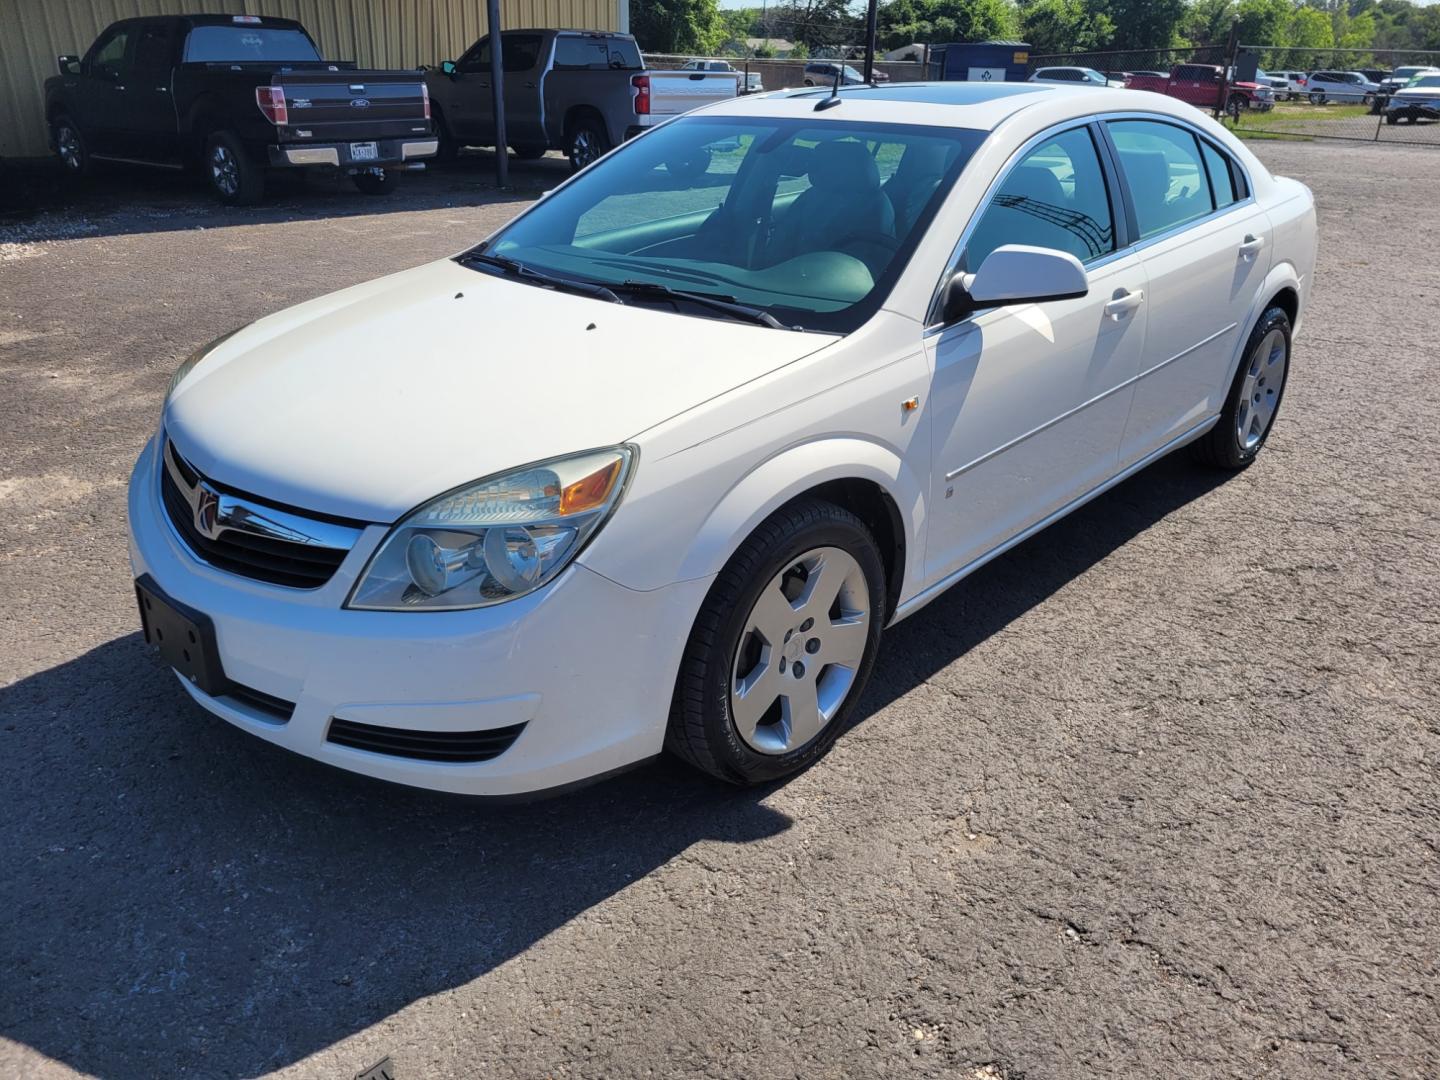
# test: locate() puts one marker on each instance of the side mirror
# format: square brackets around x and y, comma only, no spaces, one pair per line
[68,65]
[448,67]
[1015,274]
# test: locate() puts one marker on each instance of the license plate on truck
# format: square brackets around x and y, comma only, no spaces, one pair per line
[364,151]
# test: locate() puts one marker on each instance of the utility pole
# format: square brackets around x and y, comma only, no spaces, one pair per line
[870,18]
[497,95]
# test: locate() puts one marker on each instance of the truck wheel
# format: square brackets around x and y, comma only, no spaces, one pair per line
[377,181]
[1392,118]
[70,147]
[585,141]
[1235,105]
[448,149]
[529,153]
[235,179]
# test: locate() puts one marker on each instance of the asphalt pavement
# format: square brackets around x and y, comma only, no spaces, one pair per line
[1152,795]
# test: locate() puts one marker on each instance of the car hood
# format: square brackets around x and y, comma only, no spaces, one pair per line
[1418,92]
[370,401]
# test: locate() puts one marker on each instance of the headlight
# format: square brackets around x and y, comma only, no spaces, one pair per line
[495,539]
[195,358]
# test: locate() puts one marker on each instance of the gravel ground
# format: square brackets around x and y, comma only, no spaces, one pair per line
[1153,795]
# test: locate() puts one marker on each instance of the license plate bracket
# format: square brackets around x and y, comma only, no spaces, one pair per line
[184,637]
[364,151]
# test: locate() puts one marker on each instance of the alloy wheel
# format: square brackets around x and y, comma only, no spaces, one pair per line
[224,170]
[1260,392]
[797,658]
[583,149]
[67,144]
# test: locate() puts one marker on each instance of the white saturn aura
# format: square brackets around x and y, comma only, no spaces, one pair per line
[655,464]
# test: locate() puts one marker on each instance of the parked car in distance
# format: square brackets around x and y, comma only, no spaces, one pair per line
[238,95]
[1401,76]
[1376,75]
[656,464]
[1201,85]
[1296,84]
[822,73]
[1277,82]
[1344,87]
[1147,74]
[1078,76]
[1417,100]
[754,84]
[578,91]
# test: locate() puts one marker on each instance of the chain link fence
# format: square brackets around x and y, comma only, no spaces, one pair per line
[759,75]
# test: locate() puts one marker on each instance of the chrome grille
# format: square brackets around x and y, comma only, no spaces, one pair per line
[247,536]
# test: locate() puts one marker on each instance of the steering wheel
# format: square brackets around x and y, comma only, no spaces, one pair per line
[872,240]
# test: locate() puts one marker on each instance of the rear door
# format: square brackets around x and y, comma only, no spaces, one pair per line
[1205,247]
[1029,402]
[152,127]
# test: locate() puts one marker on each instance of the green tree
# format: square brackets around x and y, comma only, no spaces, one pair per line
[1262,22]
[1058,26]
[1207,22]
[677,26]
[932,21]
[1144,24]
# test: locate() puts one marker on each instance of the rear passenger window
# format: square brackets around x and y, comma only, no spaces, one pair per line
[1054,198]
[1163,170]
[1222,178]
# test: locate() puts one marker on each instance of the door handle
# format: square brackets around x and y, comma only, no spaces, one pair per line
[1251,246]
[162,89]
[119,86]
[1124,303]
[529,86]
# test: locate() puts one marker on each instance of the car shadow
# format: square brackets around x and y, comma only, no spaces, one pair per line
[39,201]
[183,898]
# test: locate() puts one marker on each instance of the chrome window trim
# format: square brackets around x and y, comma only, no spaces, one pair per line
[932,315]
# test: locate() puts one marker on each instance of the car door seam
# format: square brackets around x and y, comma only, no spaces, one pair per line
[952,474]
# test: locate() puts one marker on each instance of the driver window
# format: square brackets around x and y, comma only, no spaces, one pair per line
[1054,198]
[109,58]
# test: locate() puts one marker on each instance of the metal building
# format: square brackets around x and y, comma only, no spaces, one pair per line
[373,33]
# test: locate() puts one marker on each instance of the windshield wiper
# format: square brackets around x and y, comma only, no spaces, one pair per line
[528,273]
[726,304]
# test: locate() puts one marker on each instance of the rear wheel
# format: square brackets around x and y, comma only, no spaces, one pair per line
[447,149]
[585,141]
[70,146]
[235,179]
[1317,97]
[529,153]
[782,647]
[1254,397]
[1392,118]
[377,181]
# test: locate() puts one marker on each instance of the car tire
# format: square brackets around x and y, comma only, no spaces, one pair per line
[529,153]
[585,141]
[70,146]
[234,178]
[1317,97]
[1254,399]
[757,597]
[378,182]
[447,149]
[1235,105]
[1368,100]
[1392,118]
[809,82]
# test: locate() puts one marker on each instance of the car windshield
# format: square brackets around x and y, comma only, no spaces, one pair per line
[241,44]
[810,221]
[1425,80]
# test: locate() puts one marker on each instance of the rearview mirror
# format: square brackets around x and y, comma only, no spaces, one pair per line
[69,65]
[1015,274]
[448,67]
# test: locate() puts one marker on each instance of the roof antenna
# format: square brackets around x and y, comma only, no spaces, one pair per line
[834,98]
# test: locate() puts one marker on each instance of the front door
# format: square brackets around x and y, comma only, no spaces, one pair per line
[1203,242]
[1029,402]
[99,98]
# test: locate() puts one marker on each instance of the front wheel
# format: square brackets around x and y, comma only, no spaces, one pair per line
[1392,118]
[529,153]
[70,147]
[1254,399]
[782,647]
[1235,105]
[377,181]
[1317,97]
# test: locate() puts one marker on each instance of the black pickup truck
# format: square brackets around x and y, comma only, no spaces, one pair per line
[237,95]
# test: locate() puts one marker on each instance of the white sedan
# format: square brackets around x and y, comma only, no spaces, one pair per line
[654,465]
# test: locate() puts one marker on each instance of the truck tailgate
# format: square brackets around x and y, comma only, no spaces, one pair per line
[354,104]
[673,92]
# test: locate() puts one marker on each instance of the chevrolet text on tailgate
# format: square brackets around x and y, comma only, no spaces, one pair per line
[655,464]
[239,95]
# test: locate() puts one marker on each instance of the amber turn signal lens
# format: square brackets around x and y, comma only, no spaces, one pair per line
[590,491]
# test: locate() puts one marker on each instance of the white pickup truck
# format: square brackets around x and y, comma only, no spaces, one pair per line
[753,82]
[573,90]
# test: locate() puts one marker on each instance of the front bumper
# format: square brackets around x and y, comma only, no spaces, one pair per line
[1412,107]
[338,154]
[587,665]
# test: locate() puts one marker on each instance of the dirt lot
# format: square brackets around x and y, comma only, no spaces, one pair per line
[1153,795]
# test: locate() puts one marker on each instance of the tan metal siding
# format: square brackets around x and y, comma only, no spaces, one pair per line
[373,33]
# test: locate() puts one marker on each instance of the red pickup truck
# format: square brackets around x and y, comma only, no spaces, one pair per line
[1199,84]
